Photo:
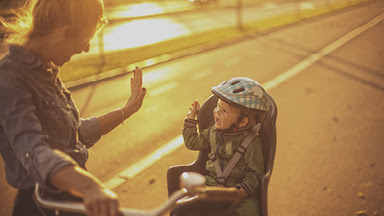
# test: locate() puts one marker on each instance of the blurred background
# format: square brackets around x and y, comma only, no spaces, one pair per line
[321,60]
[134,24]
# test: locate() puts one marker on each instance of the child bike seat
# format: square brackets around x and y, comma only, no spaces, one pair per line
[267,136]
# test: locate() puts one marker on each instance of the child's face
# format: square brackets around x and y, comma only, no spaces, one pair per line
[225,115]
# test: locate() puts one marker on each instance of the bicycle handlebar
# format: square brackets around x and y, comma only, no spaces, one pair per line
[194,188]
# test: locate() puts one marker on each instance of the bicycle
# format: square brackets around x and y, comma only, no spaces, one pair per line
[193,188]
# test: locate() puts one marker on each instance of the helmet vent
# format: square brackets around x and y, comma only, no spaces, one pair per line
[238,90]
[234,83]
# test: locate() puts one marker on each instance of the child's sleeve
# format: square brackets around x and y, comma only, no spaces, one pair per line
[192,139]
[255,160]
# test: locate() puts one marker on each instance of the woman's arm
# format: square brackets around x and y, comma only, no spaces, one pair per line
[97,199]
[112,119]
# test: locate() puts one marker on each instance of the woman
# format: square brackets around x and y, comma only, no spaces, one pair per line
[42,138]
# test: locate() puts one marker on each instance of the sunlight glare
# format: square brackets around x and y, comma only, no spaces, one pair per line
[143,9]
[164,74]
[306,6]
[142,32]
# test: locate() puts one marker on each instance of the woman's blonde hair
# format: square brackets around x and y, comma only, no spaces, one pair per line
[39,17]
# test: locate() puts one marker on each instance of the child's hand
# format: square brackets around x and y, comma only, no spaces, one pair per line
[193,111]
[241,195]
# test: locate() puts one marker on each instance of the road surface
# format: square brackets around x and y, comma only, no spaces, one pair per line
[330,139]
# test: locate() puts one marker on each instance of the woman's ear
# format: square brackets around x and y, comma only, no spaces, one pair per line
[65,32]
[243,122]
[60,34]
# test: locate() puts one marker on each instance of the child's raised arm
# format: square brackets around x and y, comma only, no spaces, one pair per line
[193,111]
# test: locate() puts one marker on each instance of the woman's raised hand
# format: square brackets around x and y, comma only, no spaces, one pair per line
[137,93]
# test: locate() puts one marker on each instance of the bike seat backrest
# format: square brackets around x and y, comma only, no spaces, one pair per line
[267,136]
[205,117]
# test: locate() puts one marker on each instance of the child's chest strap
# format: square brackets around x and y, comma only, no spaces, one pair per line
[222,175]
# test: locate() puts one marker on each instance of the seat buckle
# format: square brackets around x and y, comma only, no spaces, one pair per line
[241,150]
[221,181]
[213,157]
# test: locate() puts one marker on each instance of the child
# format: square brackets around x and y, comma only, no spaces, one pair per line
[240,110]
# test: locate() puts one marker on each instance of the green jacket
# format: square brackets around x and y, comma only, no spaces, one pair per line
[249,169]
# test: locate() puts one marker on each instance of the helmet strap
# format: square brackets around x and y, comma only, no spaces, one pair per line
[235,126]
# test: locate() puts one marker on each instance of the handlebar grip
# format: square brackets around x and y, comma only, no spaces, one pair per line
[62,206]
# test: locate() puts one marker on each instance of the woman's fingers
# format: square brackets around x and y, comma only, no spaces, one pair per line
[101,203]
[140,98]
[139,75]
[137,81]
[114,211]
[90,209]
[109,208]
[143,92]
[104,209]
[93,209]
[138,92]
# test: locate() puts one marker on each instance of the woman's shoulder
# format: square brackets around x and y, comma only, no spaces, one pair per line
[9,70]
[16,64]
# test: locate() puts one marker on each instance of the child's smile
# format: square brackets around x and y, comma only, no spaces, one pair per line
[225,115]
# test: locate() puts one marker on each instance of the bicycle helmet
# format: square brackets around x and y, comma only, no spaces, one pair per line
[243,92]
